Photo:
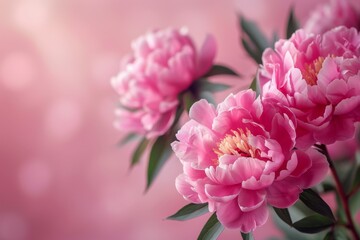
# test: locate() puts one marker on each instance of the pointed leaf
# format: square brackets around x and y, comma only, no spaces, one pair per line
[313,201]
[128,138]
[206,85]
[313,224]
[179,112]
[341,233]
[275,38]
[354,201]
[356,181]
[252,31]
[190,211]
[338,233]
[208,96]
[212,229]
[254,53]
[284,215]
[357,154]
[292,24]
[139,151]
[188,100]
[160,152]
[254,86]
[329,236]
[247,236]
[220,70]
[328,187]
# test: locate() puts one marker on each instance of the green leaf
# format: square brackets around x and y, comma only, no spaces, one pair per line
[329,236]
[254,34]
[328,187]
[254,86]
[247,236]
[356,181]
[292,24]
[338,233]
[128,138]
[284,215]
[354,202]
[341,233]
[340,213]
[288,231]
[205,85]
[220,70]
[212,229]
[357,154]
[313,224]
[160,152]
[139,151]
[207,96]
[251,50]
[275,38]
[344,169]
[190,211]
[188,100]
[349,179]
[313,201]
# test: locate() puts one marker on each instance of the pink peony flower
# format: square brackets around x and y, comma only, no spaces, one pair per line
[164,63]
[330,15]
[241,157]
[318,77]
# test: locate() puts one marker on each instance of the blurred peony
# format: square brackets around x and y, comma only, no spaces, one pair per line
[241,157]
[164,63]
[330,15]
[318,77]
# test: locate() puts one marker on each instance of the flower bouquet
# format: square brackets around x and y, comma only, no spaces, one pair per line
[263,150]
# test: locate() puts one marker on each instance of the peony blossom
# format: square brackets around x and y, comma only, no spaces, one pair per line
[333,14]
[318,77]
[164,63]
[240,157]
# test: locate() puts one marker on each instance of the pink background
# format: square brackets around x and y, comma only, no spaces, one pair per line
[61,175]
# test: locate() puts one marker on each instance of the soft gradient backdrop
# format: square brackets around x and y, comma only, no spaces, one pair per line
[61,175]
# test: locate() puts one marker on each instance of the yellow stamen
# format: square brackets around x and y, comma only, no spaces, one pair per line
[236,144]
[312,70]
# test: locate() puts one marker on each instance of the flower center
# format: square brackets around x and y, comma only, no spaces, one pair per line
[311,71]
[237,144]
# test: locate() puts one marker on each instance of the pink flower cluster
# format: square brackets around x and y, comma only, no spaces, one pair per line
[250,151]
[318,77]
[241,157]
[333,14]
[164,63]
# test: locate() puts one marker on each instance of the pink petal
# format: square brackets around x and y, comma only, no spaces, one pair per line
[230,215]
[336,91]
[244,99]
[184,187]
[254,184]
[327,73]
[206,55]
[249,200]
[303,163]
[317,172]
[348,105]
[339,129]
[222,193]
[203,113]
[282,194]
[159,127]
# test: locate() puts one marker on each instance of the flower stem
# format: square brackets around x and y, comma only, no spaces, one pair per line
[344,198]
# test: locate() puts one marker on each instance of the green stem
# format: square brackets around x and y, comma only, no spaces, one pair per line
[343,196]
